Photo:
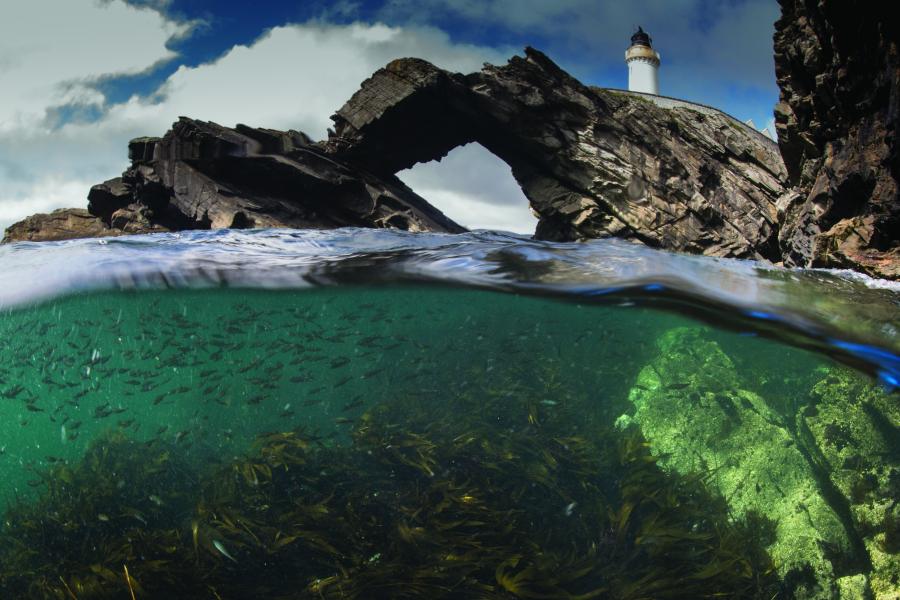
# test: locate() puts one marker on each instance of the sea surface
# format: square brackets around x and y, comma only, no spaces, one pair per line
[363,413]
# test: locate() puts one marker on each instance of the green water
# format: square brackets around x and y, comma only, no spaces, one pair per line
[696,461]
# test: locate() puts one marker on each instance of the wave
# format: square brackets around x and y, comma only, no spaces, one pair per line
[848,316]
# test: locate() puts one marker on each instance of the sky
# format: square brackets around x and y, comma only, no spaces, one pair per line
[79,78]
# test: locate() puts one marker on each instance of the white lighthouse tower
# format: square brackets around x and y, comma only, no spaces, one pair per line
[643,64]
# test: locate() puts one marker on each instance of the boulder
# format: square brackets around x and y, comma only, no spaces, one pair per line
[61,224]
[699,417]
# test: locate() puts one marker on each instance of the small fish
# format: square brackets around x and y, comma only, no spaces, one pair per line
[369,341]
[342,381]
[339,362]
[357,401]
[221,548]
[549,402]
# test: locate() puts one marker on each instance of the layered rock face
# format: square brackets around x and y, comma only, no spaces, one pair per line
[592,163]
[201,175]
[838,122]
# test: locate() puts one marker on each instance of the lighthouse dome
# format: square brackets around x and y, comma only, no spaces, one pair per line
[640,38]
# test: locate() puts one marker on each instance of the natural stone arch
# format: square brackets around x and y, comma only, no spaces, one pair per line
[591,162]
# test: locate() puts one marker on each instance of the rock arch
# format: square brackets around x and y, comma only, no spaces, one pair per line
[591,162]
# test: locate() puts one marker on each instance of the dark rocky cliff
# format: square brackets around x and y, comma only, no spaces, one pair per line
[838,123]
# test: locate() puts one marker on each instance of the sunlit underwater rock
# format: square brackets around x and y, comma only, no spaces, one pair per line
[856,427]
[695,409]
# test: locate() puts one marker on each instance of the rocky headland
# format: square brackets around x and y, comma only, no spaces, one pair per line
[592,162]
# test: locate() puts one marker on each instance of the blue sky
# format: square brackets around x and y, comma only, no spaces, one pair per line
[81,77]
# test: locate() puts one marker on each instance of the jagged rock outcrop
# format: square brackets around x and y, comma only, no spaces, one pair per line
[202,175]
[592,163]
[838,123]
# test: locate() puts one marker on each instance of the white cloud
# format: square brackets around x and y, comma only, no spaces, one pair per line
[474,188]
[294,76]
[51,55]
[52,50]
[46,195]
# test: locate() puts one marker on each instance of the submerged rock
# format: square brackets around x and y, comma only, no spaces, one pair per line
[856,428]
[829,523]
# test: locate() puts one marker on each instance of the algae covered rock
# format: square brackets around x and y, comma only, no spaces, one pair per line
[856,427]
[699,417]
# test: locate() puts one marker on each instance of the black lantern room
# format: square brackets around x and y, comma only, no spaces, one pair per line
[640,38]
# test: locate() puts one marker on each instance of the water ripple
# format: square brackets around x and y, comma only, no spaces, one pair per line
[847,315]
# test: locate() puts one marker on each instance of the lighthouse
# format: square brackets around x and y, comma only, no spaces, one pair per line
[643,64]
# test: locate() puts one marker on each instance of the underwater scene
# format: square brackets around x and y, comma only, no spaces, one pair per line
[375,414]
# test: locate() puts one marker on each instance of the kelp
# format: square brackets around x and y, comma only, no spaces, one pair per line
[485,496]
